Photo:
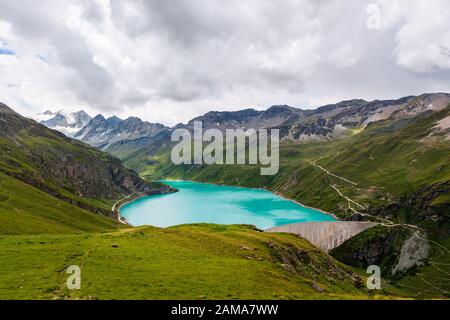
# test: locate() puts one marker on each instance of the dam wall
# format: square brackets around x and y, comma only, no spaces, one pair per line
[325,235]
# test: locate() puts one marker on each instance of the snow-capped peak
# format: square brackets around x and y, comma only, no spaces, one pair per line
[68,123]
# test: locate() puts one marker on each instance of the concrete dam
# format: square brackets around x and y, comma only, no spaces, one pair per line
[325,235]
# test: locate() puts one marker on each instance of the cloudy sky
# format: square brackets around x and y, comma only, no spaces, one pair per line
[167,61]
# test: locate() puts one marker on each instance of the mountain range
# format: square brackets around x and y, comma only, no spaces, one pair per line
[298,125]
[56,200]
[311,134]
[384,160]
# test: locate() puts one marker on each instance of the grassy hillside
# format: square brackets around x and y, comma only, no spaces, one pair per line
[51,184]
[184,262]
[386,162]
[63,167]
[41,235]
[27,210]
[397,169]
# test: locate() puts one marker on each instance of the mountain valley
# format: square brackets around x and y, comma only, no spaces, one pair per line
[384,161]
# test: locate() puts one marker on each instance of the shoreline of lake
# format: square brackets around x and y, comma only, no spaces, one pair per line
[274,192]
[278,214]
[135,197]
[304,205]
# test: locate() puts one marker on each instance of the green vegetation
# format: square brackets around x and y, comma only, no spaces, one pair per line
[17,162]
[443,199]
[183,262]
[43,175]
[387,161]
[62,167]
[27,210]
[400,171]
[50,184]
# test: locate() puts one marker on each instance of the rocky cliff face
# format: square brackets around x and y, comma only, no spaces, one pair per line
[379,246]
[395,250]
[247,119]
[334,121]
[62,166]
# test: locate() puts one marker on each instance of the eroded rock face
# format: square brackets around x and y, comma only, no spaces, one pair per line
[103,133]
[376,246]
[395,250]
[413,253]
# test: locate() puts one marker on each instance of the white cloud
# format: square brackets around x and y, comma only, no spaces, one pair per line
[344,56]
[168,61]
[423,36]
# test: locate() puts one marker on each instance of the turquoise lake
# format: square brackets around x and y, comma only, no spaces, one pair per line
[201,202]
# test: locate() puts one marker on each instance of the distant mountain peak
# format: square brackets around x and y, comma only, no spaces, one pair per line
[133,119]
[114,118]
[68,123]
[101,132]
[98,117]
[327,122]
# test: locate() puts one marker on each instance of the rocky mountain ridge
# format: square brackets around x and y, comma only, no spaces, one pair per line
[298,125]
[101,132]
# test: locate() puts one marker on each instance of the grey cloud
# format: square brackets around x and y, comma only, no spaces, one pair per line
[128,54]
[88,81]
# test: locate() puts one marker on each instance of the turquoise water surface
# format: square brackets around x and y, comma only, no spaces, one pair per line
[200,202]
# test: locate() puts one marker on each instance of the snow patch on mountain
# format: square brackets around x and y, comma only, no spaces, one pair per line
[68,123]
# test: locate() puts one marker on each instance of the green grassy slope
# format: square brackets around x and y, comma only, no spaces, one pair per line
[38,231]
[17,160]
[17,164]
[400,170]
[27,210]
[388,161]
[63,167]
[184,262]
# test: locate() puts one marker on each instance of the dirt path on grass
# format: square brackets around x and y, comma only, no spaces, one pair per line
[332,174]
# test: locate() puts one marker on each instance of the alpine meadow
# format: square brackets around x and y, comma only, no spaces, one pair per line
[197,151]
